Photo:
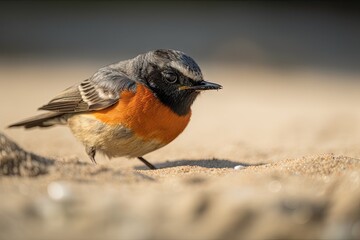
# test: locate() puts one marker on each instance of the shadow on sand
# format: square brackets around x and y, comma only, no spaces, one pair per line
[206,163]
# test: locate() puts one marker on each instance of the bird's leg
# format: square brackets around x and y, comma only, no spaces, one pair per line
[91,151]
[146,163]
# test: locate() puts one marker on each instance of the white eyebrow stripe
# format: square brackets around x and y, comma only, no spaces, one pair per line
[187,72]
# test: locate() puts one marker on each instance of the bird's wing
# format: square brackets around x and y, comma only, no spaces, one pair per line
[98,92]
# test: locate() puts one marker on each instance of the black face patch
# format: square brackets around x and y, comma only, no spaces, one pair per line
[168,93]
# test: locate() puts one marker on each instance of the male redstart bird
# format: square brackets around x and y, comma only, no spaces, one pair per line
[129,108]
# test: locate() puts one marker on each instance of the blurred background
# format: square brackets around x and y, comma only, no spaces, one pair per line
[319,34]
[290,70]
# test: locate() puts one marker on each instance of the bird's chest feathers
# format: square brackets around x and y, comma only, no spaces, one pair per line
[145,115]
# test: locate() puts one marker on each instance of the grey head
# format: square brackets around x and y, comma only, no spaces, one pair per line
[173,60]
[174,77]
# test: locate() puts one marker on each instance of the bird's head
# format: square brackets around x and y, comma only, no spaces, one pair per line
[174,77]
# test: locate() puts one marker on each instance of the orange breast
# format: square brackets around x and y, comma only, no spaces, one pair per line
[145,115]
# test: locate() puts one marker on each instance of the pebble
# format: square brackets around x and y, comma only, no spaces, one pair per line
[238,167]
[58,191]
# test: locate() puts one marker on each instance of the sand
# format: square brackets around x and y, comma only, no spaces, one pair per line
[274,155]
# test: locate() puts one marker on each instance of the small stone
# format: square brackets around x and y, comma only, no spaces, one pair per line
[238,167]
[58,191]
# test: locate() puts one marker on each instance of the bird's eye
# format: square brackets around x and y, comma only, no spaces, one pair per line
[170,77]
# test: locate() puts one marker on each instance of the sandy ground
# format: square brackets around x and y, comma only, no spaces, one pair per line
[294,135]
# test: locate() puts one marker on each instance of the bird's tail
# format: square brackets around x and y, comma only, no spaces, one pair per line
[42,120]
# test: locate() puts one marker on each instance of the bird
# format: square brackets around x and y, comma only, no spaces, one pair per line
[129,108]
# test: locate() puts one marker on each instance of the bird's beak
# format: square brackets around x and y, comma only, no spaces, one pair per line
[202,86]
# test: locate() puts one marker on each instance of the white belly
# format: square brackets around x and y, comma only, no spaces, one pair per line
[111,140]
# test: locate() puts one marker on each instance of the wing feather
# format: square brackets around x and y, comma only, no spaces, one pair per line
[98,92]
